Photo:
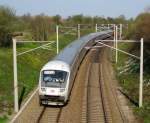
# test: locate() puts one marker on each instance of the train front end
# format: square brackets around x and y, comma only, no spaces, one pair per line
[53,83]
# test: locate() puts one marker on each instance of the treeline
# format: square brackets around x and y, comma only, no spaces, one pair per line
[41,26]
[140,28]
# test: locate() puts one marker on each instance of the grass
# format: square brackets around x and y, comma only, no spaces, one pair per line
[6,78]
[4,119]
[130,83]
[29,66]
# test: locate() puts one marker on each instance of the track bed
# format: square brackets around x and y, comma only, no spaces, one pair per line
[93,98]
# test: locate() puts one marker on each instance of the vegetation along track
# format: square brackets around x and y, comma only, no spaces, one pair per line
[93,98]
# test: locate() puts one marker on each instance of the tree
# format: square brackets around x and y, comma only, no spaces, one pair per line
[7,25]
[110,20]
[87,20]
[99,20]
[142,27]
[77,19]
[120,20]
[40,27]
[57,19]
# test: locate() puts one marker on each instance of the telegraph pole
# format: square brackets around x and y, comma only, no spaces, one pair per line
[116,44]
[16,106]
[114,34]
[78,31]
[120,32]
[96,28]
[57,38]
[141,75]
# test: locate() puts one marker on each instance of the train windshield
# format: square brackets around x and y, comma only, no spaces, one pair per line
[54,78]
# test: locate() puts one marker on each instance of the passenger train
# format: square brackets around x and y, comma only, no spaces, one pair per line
[57,76]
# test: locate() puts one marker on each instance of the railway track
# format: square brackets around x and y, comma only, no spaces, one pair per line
[95,110]
[92,100]
[97,103]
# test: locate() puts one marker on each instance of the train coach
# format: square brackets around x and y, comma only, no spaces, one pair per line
[57,76]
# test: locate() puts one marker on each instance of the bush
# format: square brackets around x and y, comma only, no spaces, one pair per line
[8,17]
[142,27]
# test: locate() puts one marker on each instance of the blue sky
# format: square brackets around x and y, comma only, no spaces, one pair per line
[112,8]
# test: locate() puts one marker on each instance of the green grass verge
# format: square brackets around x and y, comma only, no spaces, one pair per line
[130,83]
[29,66]
[4,119]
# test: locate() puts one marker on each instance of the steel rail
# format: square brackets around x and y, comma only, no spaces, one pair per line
[87,96]
[102,94]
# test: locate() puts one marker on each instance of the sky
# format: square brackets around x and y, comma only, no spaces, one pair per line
[111,8]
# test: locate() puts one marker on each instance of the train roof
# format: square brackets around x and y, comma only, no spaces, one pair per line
[69,54]
[56,65]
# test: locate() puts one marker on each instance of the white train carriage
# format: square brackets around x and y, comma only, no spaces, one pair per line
[57,76]
[54,83]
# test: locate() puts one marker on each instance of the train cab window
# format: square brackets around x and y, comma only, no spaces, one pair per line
[54,78]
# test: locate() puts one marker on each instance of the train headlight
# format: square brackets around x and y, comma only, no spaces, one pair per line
[43,89]
[62,89]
